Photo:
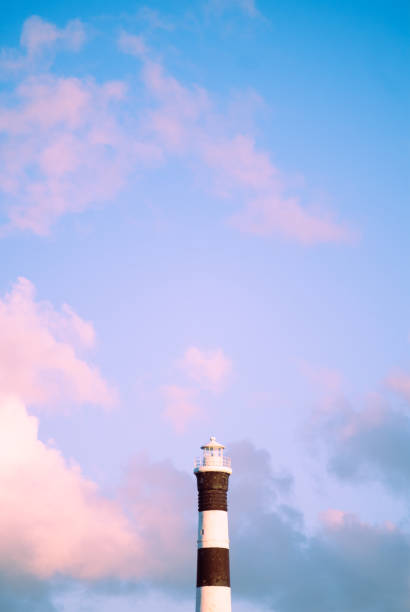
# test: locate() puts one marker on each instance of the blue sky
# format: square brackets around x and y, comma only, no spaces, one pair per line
[208,206]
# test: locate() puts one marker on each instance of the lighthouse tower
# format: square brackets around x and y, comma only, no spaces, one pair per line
[212,471]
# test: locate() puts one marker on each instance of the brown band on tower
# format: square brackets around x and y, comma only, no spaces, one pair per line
[212,500]
[212,490]
[213,567]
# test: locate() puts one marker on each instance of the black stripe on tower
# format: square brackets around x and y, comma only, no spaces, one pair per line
[213,563]
[212,490]
[213,567]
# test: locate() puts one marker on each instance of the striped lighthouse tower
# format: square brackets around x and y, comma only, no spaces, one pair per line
[212,470]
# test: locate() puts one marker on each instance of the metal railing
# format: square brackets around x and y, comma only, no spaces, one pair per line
[213,461]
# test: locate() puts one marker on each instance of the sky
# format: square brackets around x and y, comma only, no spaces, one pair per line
[204,224]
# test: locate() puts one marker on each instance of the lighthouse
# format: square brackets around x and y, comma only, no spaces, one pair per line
[212,471]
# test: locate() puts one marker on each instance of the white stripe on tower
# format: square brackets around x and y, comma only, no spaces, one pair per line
[213,529]
[212,471]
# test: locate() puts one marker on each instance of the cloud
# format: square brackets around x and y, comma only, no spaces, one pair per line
[180,406]
[176,114]
[256,486]
[161,501]
[154,19]
[19,593]
[273,214]
[57,134]
[346,565]
[209,368]
[61,134]
[370,443]
[249,6]
[185,123]
[54,520]
[38,33]
[238,162]
[40,352]
[39,36]
[133,45]
[246,6]
[400,382]
[327,379]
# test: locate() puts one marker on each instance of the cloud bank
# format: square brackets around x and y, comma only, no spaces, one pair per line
[73,529]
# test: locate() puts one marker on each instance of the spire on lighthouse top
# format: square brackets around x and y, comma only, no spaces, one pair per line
[213,459]
[212,444]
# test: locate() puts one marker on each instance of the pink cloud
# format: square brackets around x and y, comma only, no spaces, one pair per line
[334,518]
[38,33]
[62,134]
[400,382]
[148,489]
[40,352]
[239,165]
[346,423]
[154,19]
[47,103]
[238,162]
[328,379]
[53,519]
[181,406]
[131,44]
[184,122]
[211,369]
[274,214]
[175,121]
[38,36]
[339,521]
[247,6]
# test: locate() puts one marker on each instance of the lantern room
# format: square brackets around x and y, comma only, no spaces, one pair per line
[213,458]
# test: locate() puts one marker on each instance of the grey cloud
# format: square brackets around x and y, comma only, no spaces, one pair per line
[23,594]
[351,567]
[370,444]
[345,566]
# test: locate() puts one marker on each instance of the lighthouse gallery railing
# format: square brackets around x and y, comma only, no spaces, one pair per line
[209,460]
